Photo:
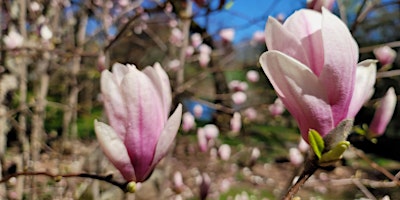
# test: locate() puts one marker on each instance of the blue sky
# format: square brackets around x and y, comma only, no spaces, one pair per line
[248,16]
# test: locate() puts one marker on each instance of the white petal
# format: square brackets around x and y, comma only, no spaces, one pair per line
[114,149]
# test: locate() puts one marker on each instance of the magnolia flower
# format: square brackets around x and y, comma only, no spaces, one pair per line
[202,140]
[237,85]
[227,34]
[295,156]
[176,37]
[137,105]
[204,59]
[250,113]
[253,76]
[46,33]
[258,37]
[303,146]
[277,108]
[198,110]
[315,75]
[224,152]
[204,49]
[383,113]
[236,122]
[196,39]
[211,131]
[174,64]
[188,121]
[385,55]
[318,4]
[239,97]
[178,182]
[13,40]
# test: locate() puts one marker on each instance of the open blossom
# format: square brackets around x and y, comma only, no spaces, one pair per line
[385,55]
[196,39]
[137,105]
[383,113]
[295,156]
[312,65]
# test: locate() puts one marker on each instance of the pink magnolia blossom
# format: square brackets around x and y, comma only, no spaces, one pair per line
[237,85]
[277,108]
[318,4]
[196,39]
[312,63]
[13,40]
[258,37]
[188,121]
[198,110]
[137,105]
[46,33]
[255,153]
[211,131]
[205,49]
[384,113]
[174,64]
[224,152]
[178,182]
[303,146]
[176,37]
[250,113]
[236,122]
[295,156]
[239,97]
[204,59]
[227,34]
[252,76]
[385,55]
[202,140]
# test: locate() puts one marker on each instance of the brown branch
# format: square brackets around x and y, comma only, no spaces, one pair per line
[57,177]
[309,169]
[376,166]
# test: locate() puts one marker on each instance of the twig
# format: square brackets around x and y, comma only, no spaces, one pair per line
[376,166]
[57,177]
[363,189]
[310,167]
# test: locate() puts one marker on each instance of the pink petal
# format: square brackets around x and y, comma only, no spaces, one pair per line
[341,55]
[168,135]
[364,86]
[113,102]
[114,149]
[384,112]
[300,90]
[145,113]
[306,26]
[278,38]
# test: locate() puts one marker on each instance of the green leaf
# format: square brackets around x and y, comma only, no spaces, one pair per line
[316,142]
[335,153]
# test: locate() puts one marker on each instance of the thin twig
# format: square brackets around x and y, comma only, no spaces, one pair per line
[309,169]
[376,166]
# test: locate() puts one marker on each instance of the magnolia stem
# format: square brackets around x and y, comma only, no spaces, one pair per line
[57,177]
[310,167]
